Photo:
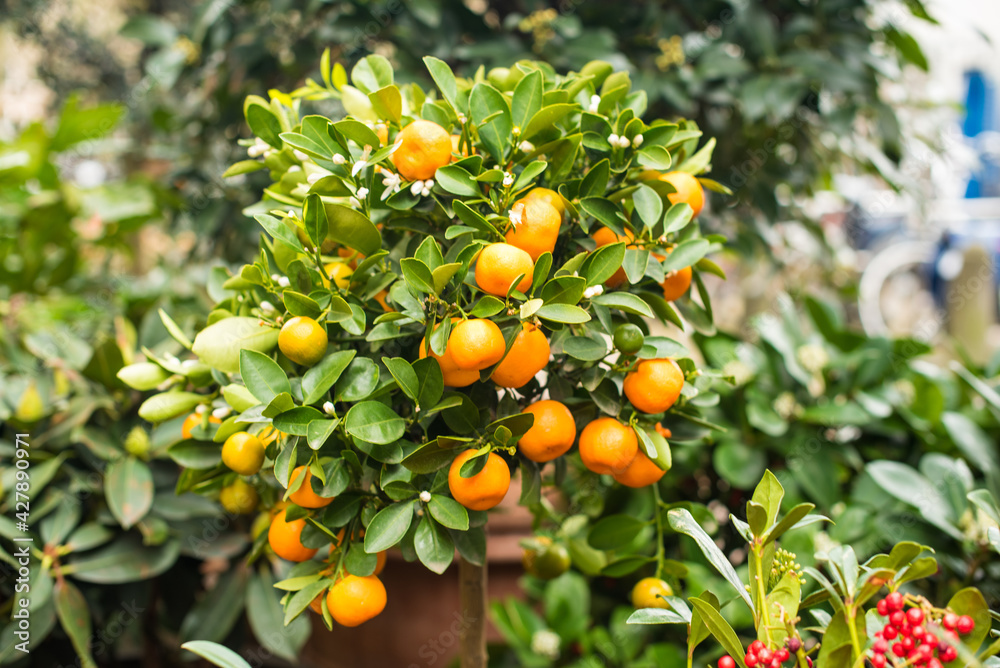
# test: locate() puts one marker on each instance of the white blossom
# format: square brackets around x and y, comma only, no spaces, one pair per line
[338,159]
[526,147]
[200,409]
[283,281]
[363,162]
[637,141]
[355,203]
[425,496]
[508,180]
[362,193]
[328,408]
[259,148]
[267,307]
[300,155]
[295,168]
[545,643]
[222,413]
[515,215]
[428,184]
[624,142]
[275,277]
[595,102]
[613,139]
[391,182]
[593,291]
[316,176]
[516,131]
[416,187]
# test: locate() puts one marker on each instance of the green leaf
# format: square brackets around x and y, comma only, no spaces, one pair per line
[624,301]
[655,616]
[387,103]
[404,375]
[262,121]
[371,73]
[352,228]
[685,254]
[374,422]
[417,275]
[142,376]
[975,445]
[614,531]
[195,455]
[606,211]
[321,377]
[769,494]
[444,78]
[545,118]
[527,99]
[299,304]
[648,205]
[167,405]
[681,521]
[388,527]
[175,332]
[430,382]
[262,375]
[788,521]
[314,217]
[296,421]
[603,263]
[128,488]
[457,181]
[449,512]
[74,616]
[219,344]
[678,217]
[782,600]
[907,485]
[585,348]
[564,313]
[487,306]
[970,601]
[491,114]
[719,628]
[263,608]
[216,654]
[433,545]
[125,560]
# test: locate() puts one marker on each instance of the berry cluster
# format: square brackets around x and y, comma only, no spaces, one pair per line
[759,656]
[916,634]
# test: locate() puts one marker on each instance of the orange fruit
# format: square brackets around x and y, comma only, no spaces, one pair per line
[688,190]
[285,538]
[528,356]
[608,446]
[340,273]
[239,498]
[663,431]
[243,453]
[423,147]
[476,344]
[354,600]
[453,376]
[303,340]
[550,196]
[539,227]
[269,435]
[676,284]
[552,433]
[352,256]
[192,421]
[382,132]
[647,591]
[654,385]
[382,298]
[499,264]
[483,490]
[305,496]
[605,236]
[380,562]
[641,472]
[317,604]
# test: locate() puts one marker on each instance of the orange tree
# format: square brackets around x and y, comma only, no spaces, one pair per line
[448,287]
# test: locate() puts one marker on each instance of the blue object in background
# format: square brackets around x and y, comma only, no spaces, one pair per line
[981,116]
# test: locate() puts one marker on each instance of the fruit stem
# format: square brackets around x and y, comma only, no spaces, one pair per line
[659,532]
[472,594]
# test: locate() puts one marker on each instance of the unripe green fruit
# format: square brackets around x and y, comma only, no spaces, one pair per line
[137,442]
[498,78]
[143,375]
[628,338]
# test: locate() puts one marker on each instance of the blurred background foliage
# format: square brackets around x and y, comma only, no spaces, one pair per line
[116,207]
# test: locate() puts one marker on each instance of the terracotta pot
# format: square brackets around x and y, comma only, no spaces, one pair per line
[422,621]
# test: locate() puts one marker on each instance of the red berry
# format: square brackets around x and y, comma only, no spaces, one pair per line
[907,643]
[765,655]
[934,663]
[756,646]
[878,660]
[894,601]
[898,649]
[915,616]
[965,625]
[880,646]
[950,620]
[774,663]
[948,654]
[793,644]
[897,619]
[952,637]
[882,607]
[809,661]
[750,660]
[923,652]
[918,633]
[781,655]
[727,662]
[889,632]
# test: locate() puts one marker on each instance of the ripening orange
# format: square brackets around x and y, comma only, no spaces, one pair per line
[453,376]
[340,273]
[475,344]
[605,236]
[383,299]
[483,490]
[243,452]
[641,472]
[663,431]
[354,600]
[539,227]
[303,340]
[551,434]
[423,147]
[608,446]
[676,283]
[305,496]
[285,538]
[654,385]
[499,264]
[529,355]
[550,196]
[688,190]
[192,421]
[382,132]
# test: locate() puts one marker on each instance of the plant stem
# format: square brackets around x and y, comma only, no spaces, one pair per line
[659,533]
[765,617]
[472,594]
[850,613]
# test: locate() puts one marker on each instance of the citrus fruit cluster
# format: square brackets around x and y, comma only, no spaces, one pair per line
[440,283]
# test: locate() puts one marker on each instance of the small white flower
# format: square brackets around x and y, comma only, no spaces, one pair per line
[461,118]
[316,176]
[595,102]
[189,364]
[200,409]
[508,180]
[593,291]
[275,277]
[267,307]
[515,215]
[339,159]
[425,496]
[624,142]
[290,213]
[328,407]
[391,183]
[637,141]
[516,131]
[269,152]
[362,193]
[283,281]
[427,188]
[295,168]
[355,203]
[526,147]
[545,643]
[300,155]
[416,187]
[259,148]
[363,162]
[613,139]
[222,413]
[239,298]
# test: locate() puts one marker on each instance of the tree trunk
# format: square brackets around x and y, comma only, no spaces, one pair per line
[472,588]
